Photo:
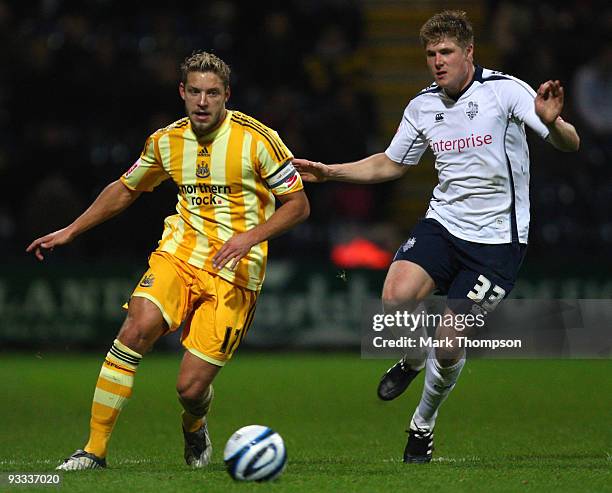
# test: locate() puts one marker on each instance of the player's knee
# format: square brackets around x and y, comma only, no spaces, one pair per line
[138,335]
[395,299]
[191,391]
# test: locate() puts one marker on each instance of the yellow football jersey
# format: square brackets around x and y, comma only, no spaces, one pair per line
[226,185]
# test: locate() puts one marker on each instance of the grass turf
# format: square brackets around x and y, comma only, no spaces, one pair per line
[508,426]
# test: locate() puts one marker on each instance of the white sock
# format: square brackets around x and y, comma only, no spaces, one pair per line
[414,357]
[439,382]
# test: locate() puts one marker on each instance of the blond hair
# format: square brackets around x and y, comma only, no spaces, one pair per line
[201,61]
[448,24]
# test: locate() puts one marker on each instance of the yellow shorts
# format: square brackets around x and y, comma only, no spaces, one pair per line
[217,313]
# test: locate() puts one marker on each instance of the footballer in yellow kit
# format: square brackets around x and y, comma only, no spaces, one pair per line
[210,263]
[226,185]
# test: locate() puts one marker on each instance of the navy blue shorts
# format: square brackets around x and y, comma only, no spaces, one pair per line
[469,273]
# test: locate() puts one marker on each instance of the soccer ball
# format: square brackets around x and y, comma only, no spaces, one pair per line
[255,453]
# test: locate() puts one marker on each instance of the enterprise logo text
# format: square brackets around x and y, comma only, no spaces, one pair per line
[458,145]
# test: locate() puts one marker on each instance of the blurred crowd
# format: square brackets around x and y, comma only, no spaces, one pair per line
[84,82]
[571,41]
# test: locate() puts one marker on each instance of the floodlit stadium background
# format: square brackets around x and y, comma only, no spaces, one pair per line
[84,83]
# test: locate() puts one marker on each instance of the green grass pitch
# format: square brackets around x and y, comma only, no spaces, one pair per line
[508,426]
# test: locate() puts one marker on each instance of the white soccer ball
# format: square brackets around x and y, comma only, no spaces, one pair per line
[255,453]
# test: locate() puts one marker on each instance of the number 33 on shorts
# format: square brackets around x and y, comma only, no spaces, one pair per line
[486,297]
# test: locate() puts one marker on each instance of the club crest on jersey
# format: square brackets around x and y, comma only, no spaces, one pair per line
[409,244]
[147,281]
[472,110]
[439,117]
[202,170]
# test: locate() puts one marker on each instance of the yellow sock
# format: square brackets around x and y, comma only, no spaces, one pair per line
[193,416]
[113,389]
[191,423]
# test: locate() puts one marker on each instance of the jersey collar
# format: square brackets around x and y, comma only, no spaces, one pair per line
[221,129]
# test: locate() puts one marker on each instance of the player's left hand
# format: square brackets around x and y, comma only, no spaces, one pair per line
[233,249]
[549,101]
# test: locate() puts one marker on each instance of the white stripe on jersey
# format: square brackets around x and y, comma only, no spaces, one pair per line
[481,155]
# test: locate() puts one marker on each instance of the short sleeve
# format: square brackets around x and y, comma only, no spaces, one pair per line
[148,171]
[519,99]
[275,165]
[408,144]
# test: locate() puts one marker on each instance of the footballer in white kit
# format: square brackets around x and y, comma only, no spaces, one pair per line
[477,223]
[472,241]
[478,139]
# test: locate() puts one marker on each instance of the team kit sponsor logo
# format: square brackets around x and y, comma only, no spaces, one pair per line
[204,194]
[460,144]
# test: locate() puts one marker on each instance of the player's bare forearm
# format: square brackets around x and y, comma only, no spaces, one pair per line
[115,198]
[294,210]
[563,136]
[377,168]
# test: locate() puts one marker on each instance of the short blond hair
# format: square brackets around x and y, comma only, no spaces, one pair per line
[201,61]
[448,24]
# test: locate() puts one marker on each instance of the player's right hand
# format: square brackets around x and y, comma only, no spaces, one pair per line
[311,171]
[49,242]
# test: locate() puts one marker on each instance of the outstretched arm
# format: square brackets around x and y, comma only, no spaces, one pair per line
[377,168]
[294,209]
[548,106]
[115,198]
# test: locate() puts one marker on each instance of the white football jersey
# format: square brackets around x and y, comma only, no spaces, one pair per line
[481,154]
